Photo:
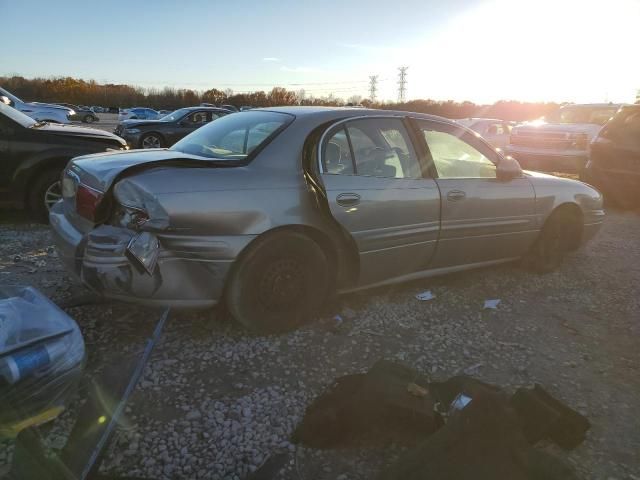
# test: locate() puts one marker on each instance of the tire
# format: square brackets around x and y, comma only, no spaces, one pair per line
[558,236]
[151,140]
[42,193]
[88,119]
[279,284]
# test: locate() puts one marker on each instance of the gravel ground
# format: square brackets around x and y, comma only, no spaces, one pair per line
[216,401]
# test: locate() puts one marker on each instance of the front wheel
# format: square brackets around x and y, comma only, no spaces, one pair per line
[88,119]
[557,237]
[151,140]
[279,284]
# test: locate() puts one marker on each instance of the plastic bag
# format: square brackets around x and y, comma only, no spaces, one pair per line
[41,359]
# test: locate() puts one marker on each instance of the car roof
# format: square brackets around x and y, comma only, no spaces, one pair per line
[332,113]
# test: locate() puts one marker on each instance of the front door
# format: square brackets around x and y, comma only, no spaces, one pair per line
[483,218]
[377,192]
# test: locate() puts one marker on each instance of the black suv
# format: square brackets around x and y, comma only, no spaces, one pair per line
[33,154]
[614,164]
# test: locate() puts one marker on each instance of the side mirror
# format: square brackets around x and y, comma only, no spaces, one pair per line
[508,169]
[6,100]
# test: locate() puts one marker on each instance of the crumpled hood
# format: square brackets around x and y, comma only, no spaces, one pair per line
[99,170]
[78,131]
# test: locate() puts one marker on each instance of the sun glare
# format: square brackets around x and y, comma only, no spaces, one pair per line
[537,51]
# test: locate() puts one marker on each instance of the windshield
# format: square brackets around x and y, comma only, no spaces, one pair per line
[596,115]
[177,115]
[16,116]
[234,136]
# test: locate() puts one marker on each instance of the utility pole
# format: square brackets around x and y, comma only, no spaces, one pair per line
[373,87]
[402,84]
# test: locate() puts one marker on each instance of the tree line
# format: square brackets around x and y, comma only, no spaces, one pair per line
[83,92]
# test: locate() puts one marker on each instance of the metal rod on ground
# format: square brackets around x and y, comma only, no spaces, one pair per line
[137,373]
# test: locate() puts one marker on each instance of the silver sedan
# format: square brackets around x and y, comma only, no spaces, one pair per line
[270,211]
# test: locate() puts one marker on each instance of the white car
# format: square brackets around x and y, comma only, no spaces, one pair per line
[42,112]
[494,131]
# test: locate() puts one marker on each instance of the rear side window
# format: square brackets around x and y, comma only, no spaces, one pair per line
[377,147]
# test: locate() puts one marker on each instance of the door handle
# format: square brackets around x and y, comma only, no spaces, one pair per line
[348,199]
[456,195]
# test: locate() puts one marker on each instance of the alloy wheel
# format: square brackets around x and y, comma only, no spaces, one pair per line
[52,195]
[151,141]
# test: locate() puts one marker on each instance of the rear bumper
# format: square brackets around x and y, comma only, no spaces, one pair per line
[190,272]
[529,159]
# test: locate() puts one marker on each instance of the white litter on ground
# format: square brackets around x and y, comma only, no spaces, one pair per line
[493,304]
[426,295]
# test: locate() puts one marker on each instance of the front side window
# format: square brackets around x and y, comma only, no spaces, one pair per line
[197,118]
[453,157]
[373,147]
[234,137]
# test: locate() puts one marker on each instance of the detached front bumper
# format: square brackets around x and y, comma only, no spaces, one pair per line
[190,271]
[551,161]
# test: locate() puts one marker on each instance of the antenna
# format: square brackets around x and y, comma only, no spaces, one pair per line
[402,84]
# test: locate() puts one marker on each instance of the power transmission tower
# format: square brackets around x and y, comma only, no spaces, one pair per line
[373,87]
[402,84]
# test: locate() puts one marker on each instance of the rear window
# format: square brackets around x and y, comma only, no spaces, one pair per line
[234,136]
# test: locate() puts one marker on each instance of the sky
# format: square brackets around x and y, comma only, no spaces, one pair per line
[476,50]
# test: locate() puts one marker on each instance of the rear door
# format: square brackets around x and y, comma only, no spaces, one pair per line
[377,191]
[483,218]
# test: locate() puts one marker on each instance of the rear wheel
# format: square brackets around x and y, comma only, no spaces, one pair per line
[44,192]
[151,140]
[88,119]
[558,236]
[279,284]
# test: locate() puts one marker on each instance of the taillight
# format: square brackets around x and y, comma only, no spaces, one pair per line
[87,201]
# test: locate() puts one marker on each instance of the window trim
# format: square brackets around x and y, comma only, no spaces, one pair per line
[335,126]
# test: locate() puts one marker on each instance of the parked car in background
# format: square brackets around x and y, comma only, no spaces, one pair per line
[33,154]
[270,210]
[560,143]
[494,131]
[138,113]
[44,112]
[244,108]
[82,114]
[614,165]
[167,130]
[97,109]
[164,112]
[231,108]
